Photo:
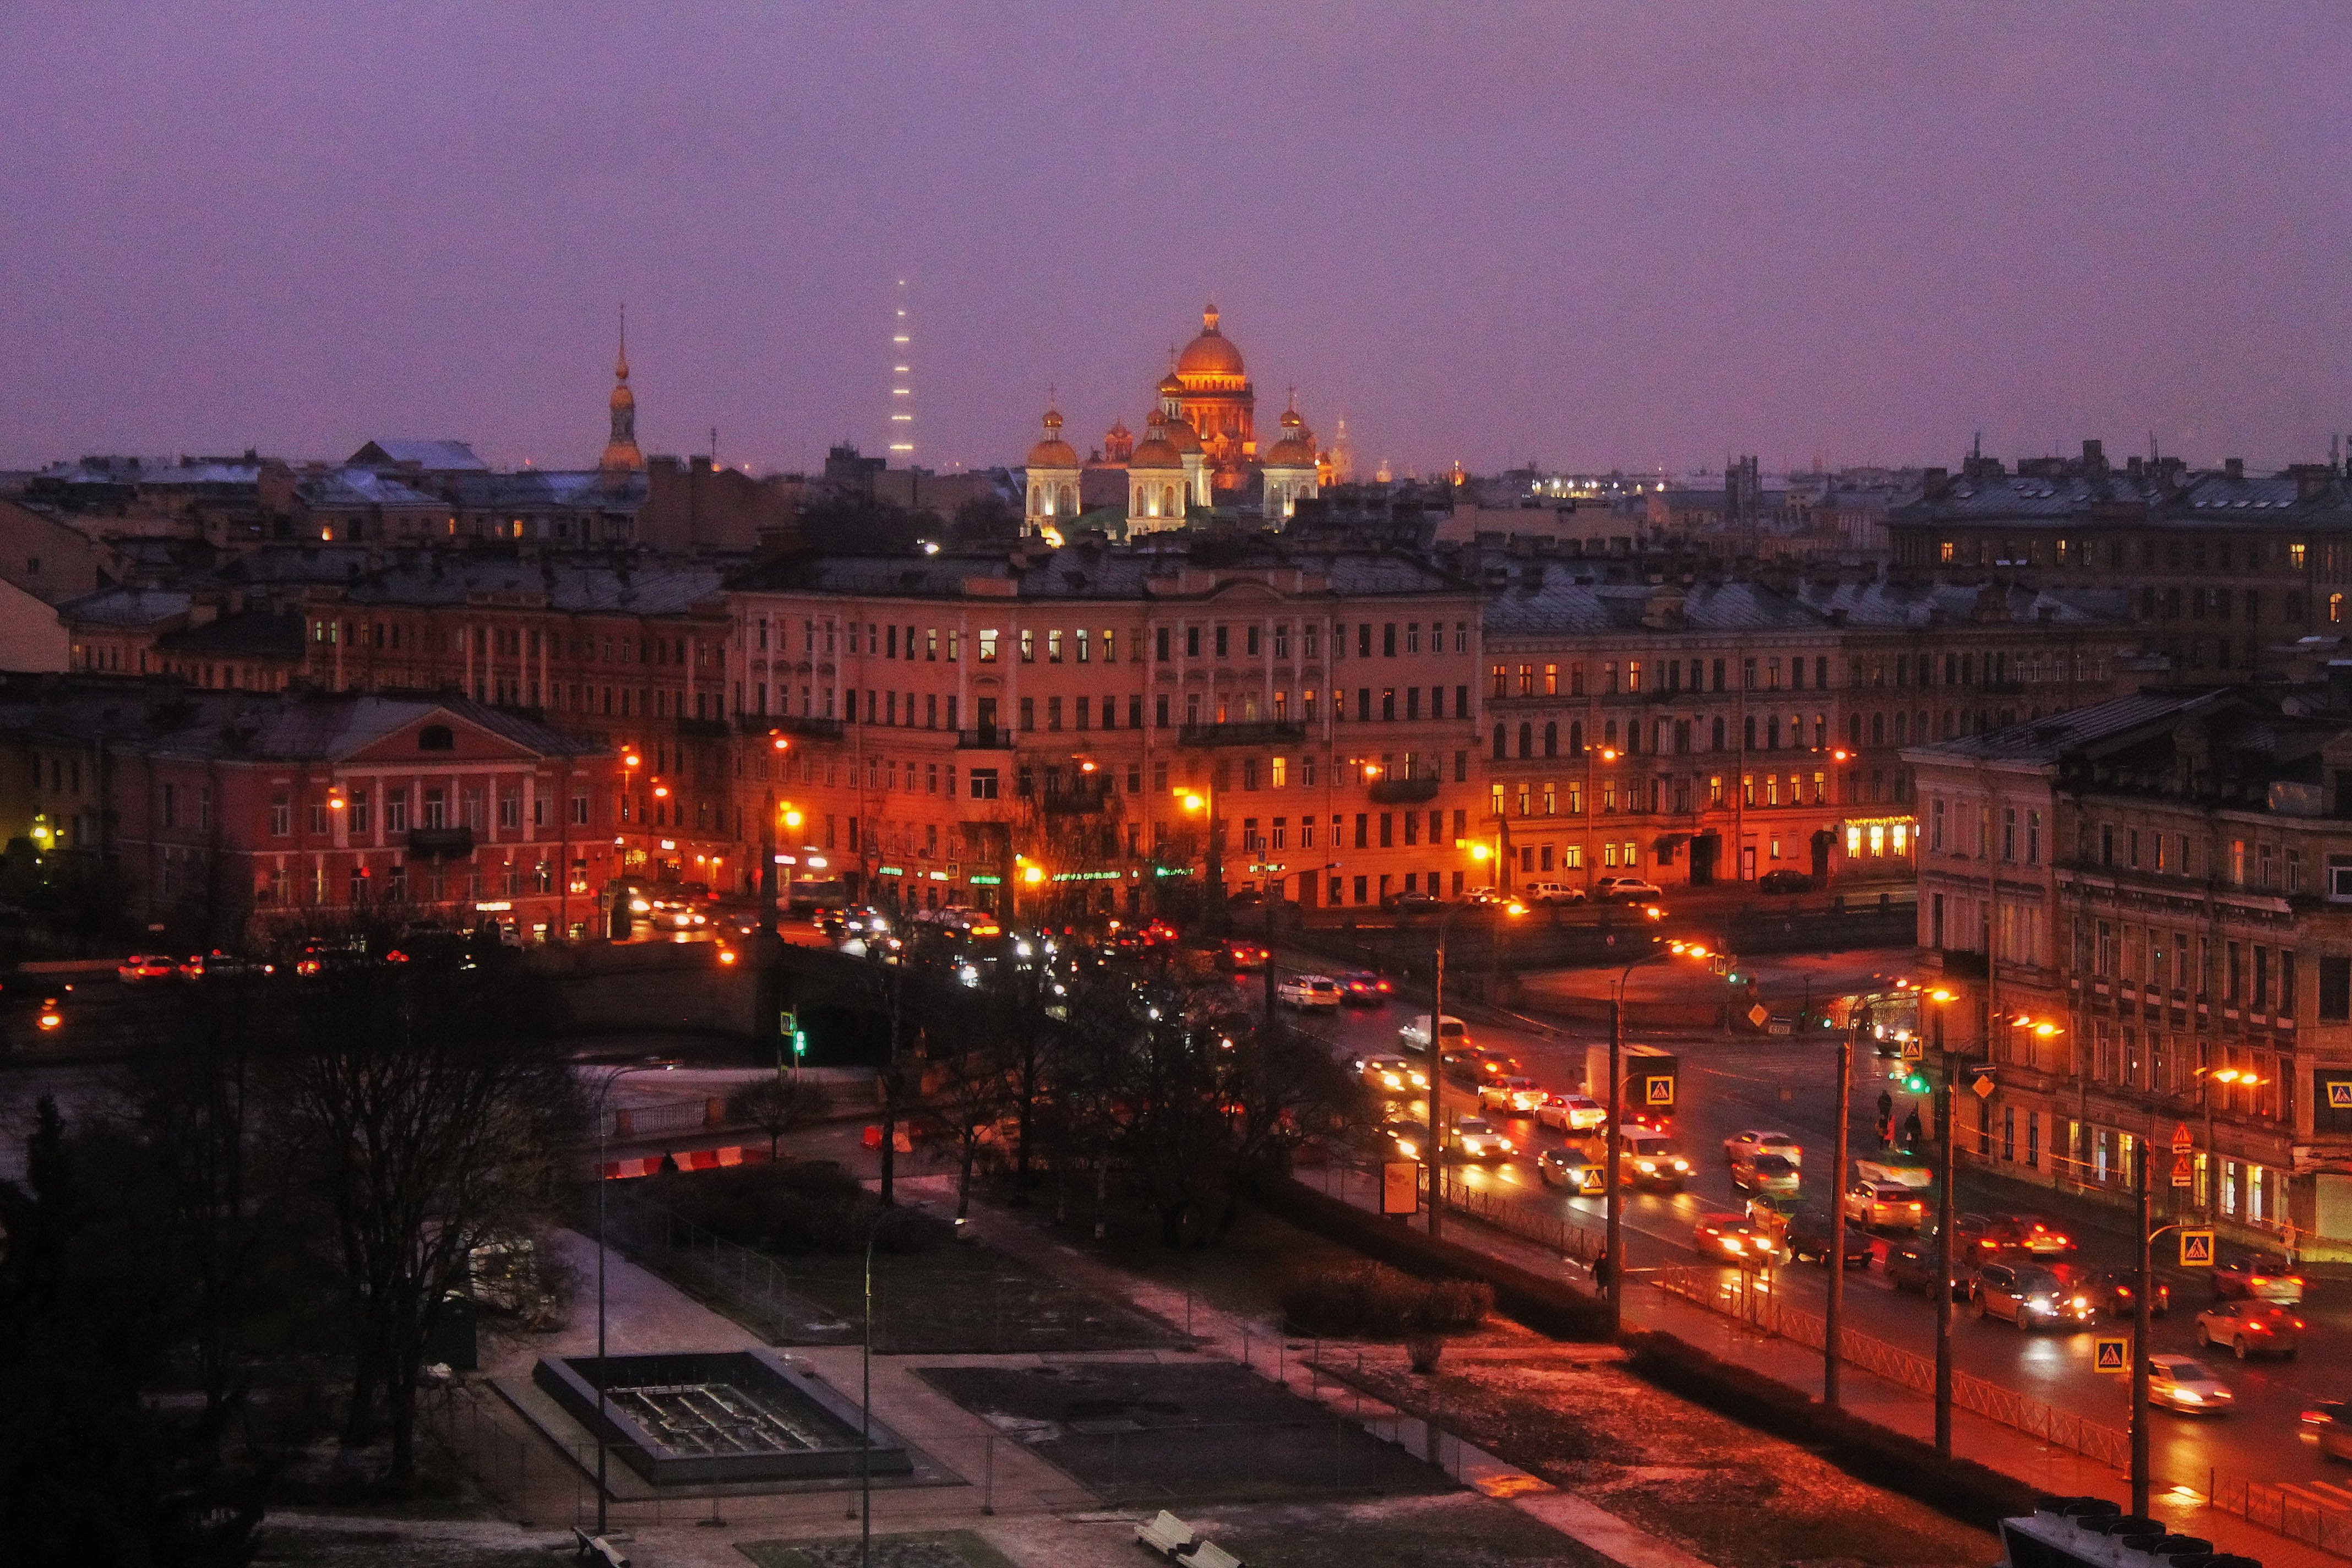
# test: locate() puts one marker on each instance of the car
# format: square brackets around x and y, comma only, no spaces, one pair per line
[1625,890]
[2251,1328]
[1245,899]
[1571,1112]
[1884,1205]
[1402,1140]
[1784,881]
[1899,1169]
[1412,903]
[1911,1265]
[2030,1296]
[1392,1075]
[1309,991]
[217,964]
[1412,1035]
[2185,1384]
[1648,1158]
[2032,1234]
[146,966]
[2112,1290]
[2329,1424]
[1551,893]
[1512,1095]
[1733,1238]
[1362,988]
[1572,1169]
[1473,1065]
[1765,1173]
[1804,1232]
[1243,957]
[1474,1138]
[1755,1143]
[2257,1276]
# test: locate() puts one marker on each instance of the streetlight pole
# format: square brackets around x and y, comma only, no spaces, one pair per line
[1614,1203]
[1437,1080]
[604,1119]
[2139,1460]
[1835,1317]
[866,1410]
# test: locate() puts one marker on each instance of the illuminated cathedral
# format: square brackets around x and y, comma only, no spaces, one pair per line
[1198,451]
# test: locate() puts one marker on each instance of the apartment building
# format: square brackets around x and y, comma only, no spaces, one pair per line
[1095,710]
[2144,910]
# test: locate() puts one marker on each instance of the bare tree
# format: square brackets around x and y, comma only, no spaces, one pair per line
[777,1105]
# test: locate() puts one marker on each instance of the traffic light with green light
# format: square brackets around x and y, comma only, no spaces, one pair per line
[1914,1082]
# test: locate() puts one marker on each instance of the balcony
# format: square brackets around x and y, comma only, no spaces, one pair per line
[709,728]
[1210,736]
[1079,800]
[988,738]
[441,843]
[1402,792]
[802,725]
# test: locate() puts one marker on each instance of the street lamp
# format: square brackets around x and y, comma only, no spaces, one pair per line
[2206,1079]
[604,1121]
[1204,800]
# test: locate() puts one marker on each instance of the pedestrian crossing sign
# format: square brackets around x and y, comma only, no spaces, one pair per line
[2339,1095]
[2110,1354]
[1915,1050]
[1657,1091]
[2197,1249]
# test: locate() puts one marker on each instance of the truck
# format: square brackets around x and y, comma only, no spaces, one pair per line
[1652,1081]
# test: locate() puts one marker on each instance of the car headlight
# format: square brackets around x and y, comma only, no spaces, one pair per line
[1682,1164]
[1733,1244]
[2189,1396]
[2081,1302]
[1647,1167]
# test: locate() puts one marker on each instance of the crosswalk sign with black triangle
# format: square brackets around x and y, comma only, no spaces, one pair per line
[2110,1354]
[2197,1249]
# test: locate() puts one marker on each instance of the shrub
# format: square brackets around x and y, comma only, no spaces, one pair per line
[804,1206]
[1365,1301]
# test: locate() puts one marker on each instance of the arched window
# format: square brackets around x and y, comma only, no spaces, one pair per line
[1527,740]
[1500,749]
[1552,739]
[1716,743]
[1576,738]
[1899,728]
[1878,729]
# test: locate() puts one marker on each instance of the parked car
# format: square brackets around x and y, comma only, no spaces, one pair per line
[1306,992]
[144,966]
[1884,1205]
[1412,1035]
[1733,1238]
[1784,881]
[2185,1384]
[2251,1328]
[2029,1297]
[1572,1169]
[2329,1424]
[1475,1138]
[1413,903]
[1243,957]
[1362,988]
[2257,1276]
[1512,1094]
[1551,893]
[2112,1290]
[1392,1075]
[1911,1265]
[1755,1143]
[1625,890]
[1571,1112]
[1804,1232]
[1765,1173]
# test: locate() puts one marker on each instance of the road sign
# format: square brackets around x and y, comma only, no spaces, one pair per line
[2182,1143]
[1915,1050]
[2110,1354]
[2196,1249]
[1658,1090]
[2184,1171]
[1399,1186]
[1757,1014]
[1984,1086]
[2339,1095]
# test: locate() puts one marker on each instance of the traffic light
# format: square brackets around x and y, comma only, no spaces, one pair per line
[1914,1082]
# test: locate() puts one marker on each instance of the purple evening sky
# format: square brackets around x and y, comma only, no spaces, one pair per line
[1590,235]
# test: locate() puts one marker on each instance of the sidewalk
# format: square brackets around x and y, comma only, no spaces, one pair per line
[1974,1437]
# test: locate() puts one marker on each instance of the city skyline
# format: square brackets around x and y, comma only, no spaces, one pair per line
[1598,240]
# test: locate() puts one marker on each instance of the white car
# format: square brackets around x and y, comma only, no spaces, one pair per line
[1392,1075]
[1414,1035]
[1571,1112]
[1752,1142]
[2185,1384]
[1512,1095]
[1551,893]
[1626,888]
[1305,991]
[1476,1138]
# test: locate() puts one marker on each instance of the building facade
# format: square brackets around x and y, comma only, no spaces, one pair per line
[2144,913]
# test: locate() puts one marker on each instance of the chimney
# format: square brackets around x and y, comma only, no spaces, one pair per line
[1934,482]
[2094,459]
[2234,467]
[2312,480]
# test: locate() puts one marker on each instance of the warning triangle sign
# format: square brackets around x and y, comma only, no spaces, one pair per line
[2110,1354]
[2181,1142]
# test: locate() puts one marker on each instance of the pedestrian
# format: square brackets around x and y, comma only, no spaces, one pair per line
[1913,1133]
[1600,1271]
[1885,1108]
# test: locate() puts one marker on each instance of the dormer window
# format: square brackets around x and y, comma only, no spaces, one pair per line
[435,738]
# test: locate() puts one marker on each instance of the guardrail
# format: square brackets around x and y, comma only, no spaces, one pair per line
[1502,1212]
[1749,1298]
[2312,1512]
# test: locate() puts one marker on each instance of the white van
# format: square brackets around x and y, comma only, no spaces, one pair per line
[1414,1035]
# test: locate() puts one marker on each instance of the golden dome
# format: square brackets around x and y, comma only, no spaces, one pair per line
[1211,354]
[1290,452]
[1171,385]
[1156,451]
[1053,452]
[1180,433]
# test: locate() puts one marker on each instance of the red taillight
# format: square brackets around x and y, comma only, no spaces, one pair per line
[2298,1322]
[2295,1280]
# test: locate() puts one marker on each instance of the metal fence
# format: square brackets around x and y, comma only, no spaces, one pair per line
[754,1288]
[1748,1297]
[2312,1512]
[1506,1212]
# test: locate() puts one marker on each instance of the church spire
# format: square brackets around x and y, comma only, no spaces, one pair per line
[622,456]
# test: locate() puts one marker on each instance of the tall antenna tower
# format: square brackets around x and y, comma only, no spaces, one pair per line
[901,425]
